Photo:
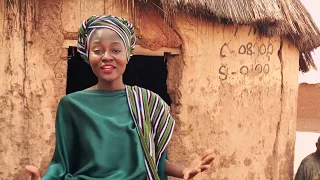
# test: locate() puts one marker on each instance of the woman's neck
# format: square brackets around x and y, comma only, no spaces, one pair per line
[113,86]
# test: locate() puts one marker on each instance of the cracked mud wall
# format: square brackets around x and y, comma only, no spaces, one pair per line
[287,132]
[34,66]
[151,30]
[238,96]
[228,92]
[31,68]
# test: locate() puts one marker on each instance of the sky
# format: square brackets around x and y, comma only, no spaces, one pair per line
[313,76]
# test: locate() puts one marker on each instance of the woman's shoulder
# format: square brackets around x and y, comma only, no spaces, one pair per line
[72,96]
[151,96]
[78,94]
[143,90]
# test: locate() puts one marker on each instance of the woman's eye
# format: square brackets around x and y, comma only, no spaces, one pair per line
[116,51]
[97,51]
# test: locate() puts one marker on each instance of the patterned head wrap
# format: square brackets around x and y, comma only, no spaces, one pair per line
[119,25]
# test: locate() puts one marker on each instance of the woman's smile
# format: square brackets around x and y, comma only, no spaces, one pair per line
[108,68]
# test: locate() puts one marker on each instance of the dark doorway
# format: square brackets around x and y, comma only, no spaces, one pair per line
[149,72]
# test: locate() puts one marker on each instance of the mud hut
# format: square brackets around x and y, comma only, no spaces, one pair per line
[230,71]
[308,102]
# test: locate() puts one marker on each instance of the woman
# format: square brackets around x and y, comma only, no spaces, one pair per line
[110,130]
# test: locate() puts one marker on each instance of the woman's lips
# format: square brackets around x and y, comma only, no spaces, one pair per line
[108,69]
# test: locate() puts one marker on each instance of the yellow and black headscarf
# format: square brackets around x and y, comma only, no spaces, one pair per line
[119,25]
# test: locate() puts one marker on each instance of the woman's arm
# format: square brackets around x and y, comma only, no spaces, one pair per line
[174,170]
[164,120]
[34,171]
[195,167]
[62,157]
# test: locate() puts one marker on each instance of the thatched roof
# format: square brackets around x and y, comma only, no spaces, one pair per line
[286,18]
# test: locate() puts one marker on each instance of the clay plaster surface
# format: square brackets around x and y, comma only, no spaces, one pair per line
[231,90]
[238,96]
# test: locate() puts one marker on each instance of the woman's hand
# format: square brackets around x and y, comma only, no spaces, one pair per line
[34,171]
[198,165]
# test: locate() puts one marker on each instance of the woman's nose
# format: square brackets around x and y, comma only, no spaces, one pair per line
[106,57]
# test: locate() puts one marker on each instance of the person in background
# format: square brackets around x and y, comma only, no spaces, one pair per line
[111,130]
[309,168]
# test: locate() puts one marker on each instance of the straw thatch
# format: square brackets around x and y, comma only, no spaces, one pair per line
[285,18]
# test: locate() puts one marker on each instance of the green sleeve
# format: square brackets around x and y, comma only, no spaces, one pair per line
[162,166]
[59,167]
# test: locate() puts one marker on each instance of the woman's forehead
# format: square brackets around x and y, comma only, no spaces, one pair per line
[105,35]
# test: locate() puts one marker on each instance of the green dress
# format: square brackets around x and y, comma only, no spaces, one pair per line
[96,138]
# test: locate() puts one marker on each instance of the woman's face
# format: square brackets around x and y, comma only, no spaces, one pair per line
[107,55]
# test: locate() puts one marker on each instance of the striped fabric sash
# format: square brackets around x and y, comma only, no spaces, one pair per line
[152,115]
